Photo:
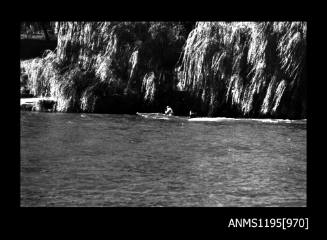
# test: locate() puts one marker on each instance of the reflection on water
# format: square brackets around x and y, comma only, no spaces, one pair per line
[124,160]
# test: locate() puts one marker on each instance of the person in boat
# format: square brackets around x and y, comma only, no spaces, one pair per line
[169,111]
[192,114]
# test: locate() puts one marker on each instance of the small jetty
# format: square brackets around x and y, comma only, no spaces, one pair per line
[38,104]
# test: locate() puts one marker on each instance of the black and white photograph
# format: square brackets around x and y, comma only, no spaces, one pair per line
[163,114]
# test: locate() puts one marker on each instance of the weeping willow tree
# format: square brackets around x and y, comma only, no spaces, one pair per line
[109,66]
[246,68]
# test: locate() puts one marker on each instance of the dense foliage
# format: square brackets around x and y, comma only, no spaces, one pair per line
[247,69]
[215,68]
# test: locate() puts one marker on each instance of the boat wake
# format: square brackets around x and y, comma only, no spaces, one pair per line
[266,120]
[218,119]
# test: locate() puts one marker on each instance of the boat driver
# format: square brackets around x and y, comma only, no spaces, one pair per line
[169,111]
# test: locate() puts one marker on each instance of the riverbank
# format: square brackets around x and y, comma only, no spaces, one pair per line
[38,104]
[217,69]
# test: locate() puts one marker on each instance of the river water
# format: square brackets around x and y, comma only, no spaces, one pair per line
[125,160]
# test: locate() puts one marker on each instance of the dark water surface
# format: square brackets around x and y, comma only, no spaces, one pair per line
[124,160]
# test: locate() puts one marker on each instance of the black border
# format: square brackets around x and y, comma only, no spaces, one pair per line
[186,220]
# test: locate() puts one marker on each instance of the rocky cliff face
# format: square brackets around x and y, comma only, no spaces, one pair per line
[218,69]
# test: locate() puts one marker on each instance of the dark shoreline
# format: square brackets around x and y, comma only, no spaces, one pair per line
[32,107]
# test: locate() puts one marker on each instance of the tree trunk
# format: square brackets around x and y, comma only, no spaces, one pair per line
[45,31]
